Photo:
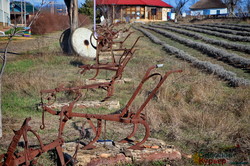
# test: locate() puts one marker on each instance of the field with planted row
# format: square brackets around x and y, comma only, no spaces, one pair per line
[205,108]
[241,27]
[216,50]
[213,33]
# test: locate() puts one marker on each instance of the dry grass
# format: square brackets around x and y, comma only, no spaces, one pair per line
[193,110]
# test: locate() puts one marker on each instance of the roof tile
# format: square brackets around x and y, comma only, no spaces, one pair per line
[208,4]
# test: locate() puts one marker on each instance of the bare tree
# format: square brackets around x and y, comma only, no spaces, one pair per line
[4,56]
[179,6]
[231,6]
[242,8]
[247,6]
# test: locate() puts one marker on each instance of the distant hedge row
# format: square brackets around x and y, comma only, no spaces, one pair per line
[239,27]
[232,59]
[47,23]
[207,66]
[222,30]
[218,34]
[235,46]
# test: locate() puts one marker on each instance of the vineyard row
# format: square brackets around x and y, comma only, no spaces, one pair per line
[235,46]
[232,59]
[239,27]
[207,66]
[222,30]
[218,34]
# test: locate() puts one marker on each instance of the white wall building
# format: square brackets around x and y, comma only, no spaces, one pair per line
[209,7]
[4,12]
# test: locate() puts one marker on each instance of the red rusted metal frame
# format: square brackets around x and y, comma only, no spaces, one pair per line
[127,139]
[108,86]
[124,117]
[123,60]
[122,42]
[120,48]
[105,36]
[29,155]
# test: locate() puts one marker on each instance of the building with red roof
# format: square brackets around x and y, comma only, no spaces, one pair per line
[141,10]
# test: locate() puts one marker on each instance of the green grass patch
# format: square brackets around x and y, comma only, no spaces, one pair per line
[19,105]
[20,66]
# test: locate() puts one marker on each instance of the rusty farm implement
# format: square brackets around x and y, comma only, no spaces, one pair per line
[106,37]
[127,116]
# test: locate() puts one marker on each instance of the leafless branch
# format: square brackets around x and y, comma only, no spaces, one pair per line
[43,3]
[231,5]
[1,57]
[179,6]
[4,56]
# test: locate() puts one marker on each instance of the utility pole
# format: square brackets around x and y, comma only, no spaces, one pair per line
[25,14]
[22,11]
[113,12]
[95,18]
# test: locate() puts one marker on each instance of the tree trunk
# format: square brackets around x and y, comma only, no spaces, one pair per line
[74,18]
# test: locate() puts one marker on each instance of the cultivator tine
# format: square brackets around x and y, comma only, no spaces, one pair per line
[147,134]
[92,125]
[122,42]
[73,158]
[98,133]
[127,139]
[60,154]
[96,74]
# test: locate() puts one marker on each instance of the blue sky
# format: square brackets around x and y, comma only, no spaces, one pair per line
[37,2]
